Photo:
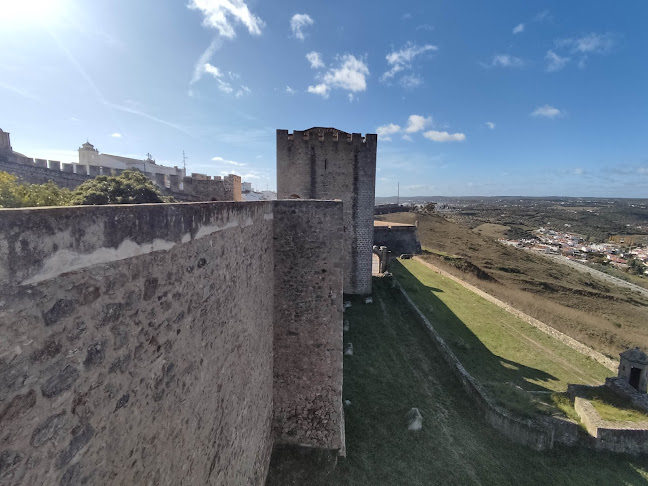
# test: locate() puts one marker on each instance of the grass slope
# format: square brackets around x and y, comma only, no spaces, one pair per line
[491,343]
[395,367]
[604,316]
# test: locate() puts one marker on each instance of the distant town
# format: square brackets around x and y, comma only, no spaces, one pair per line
[621,252]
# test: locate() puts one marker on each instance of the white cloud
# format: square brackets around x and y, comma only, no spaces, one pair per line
[221,160]
[289,90]
[444,136]
[243,90]
[116,135]
[298,22]
[199,67]
[547,111]
[411,81]
[490,125]
[225,86]
[213,70]
[402,59]
[138,112]
[555,62]
[384,132]
[590,43]
[223,14]
[518,29]
[407,137]
[19,91]
[504,60]
[349,75]
[320,89]
[315,60]
[416,123]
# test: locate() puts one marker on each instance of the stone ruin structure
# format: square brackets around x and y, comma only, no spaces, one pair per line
[327,163]
[633,369]
[171,180]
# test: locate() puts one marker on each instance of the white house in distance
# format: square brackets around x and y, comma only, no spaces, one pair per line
[89,155]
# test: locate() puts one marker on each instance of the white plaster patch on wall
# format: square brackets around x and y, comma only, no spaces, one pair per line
[209,229]
[232,223]
[64,261]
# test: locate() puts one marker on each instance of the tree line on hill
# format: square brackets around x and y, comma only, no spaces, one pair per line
[130,187]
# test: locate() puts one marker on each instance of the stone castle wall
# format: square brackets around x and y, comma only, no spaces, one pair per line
[324,163]
[137,341]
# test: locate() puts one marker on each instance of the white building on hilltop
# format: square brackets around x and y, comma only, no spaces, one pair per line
[89,155]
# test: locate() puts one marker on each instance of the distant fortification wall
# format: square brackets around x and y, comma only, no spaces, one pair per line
[326,163]
[137,341]
[204,188]
[398,239]
[40,175]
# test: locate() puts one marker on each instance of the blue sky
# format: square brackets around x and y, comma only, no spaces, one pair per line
[468,98]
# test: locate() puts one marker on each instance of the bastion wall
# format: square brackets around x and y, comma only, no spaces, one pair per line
[138,342]
[326,163]
[398,239]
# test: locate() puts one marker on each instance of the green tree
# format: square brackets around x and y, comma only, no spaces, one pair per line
[636,266]
[8,198]
[15,194]
[131,187]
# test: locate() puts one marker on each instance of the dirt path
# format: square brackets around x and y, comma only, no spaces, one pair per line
[572,343]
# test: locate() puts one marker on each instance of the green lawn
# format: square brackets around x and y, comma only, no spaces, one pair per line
[395,366]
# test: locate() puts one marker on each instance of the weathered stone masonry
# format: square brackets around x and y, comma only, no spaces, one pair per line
[308,313]
[326,163]
[136,342]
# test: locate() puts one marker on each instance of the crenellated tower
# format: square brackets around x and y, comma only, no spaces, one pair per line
[327,163]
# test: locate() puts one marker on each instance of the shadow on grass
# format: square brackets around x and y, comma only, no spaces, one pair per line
[395,366]
[487,367]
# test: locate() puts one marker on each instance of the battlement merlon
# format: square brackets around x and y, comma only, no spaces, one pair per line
[328,135]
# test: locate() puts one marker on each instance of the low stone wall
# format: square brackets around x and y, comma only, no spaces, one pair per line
[623,437]
[537,434]
[390,208]
[563,338]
